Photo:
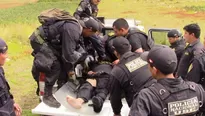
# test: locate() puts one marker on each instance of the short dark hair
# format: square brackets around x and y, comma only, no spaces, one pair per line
[120,23]
[193,28]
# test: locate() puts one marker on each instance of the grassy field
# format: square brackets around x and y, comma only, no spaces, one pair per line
[17,24]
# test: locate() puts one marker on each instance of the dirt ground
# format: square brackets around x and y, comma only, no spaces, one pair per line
[4,5]
[184,14]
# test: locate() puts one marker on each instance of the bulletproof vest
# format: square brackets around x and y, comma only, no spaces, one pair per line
[136,70]
[6,101]
[178,101]
[108,48]
[150,42]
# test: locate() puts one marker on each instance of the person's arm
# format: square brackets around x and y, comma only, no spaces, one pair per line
[141,104]
[70,40]
[98,46]
[135,42]
[179,52]
[194,72]
[115,91]
[81,8]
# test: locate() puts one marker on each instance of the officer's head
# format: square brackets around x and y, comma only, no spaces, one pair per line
[162,61]
[173,35]
[120,27]
[90,26]
[191,32]
[3,52]
[96,2]
[120,46]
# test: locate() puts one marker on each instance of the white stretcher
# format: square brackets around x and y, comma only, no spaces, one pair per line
[67,110]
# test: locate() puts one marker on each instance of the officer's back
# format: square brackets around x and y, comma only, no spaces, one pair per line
[169,96]
[130,75]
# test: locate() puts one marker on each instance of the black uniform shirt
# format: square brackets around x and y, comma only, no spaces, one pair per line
[138,40]
[148,104]
[190,52]
[178,47]
[71,33]
[197,69]
[86,9]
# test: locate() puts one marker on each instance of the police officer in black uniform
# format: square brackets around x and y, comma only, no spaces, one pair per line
[170,96]
[191,36]
[138,39]
[60,42]
[130,75]
[177,43]
[7,105]
[89,8]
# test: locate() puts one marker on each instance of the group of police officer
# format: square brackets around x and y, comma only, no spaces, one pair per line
[155,80]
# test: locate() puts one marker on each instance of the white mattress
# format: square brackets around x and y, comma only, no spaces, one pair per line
[67,110]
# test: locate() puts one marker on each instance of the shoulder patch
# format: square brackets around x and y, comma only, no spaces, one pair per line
[135,64]
[190,67]
[183,107]
[111,34]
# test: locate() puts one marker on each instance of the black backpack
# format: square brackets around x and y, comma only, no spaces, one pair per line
[52,20]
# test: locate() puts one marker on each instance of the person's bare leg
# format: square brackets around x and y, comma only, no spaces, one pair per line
[75,103]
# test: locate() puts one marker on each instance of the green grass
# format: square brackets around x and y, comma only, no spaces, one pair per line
[18,23]
[195,8]
[16,26]
[29,12]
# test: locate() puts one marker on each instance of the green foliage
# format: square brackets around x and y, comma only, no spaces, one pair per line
[30,12]
[160,38]
[17,24]
[195,8]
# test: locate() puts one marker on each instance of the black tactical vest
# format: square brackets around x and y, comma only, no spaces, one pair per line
[137,71]
[150,42]
[178,101]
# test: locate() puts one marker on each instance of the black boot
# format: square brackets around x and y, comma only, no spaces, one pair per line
[48,98]
[97,104]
